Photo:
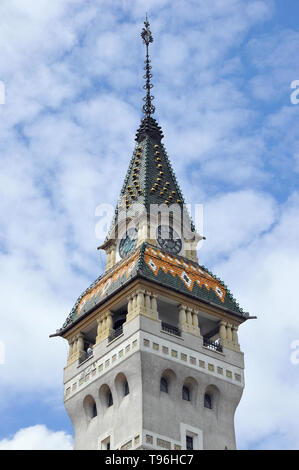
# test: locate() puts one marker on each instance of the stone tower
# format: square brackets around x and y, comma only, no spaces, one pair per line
[154,360]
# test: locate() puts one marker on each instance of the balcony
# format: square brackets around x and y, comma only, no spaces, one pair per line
[85,356]
[213,345]
[115,334]
[173,330]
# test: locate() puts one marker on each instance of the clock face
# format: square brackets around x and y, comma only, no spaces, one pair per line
[168,239]
[128,242]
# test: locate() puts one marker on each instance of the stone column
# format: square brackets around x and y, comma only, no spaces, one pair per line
[148,305]
[142,302]
[154,306]
[112,256]
[108,261]
[182,317]
[80,343]
[235,337]
[222,330]
[189,317]
[105,326]
[195,326]
[229,335]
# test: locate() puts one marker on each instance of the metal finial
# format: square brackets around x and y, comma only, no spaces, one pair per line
[148,108]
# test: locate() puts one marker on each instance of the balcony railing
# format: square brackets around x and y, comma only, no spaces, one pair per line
[171,329]
[214,345]
[85,355]
[115,334]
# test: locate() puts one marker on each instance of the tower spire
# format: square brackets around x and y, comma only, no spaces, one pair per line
[149,125]
[148,107]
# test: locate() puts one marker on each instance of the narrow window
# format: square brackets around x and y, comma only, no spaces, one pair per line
[207,401]
[106,444]
[189,443]
[94,411]
[110,399]
[163,385]
[186,393]
[126,388]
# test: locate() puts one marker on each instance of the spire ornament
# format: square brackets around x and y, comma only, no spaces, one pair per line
[148,108]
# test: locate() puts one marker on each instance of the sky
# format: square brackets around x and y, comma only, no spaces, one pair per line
[72,75]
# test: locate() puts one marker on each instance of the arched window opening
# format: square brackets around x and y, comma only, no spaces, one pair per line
[126,388]
[90,407]
[109,399]
[185,393]
[208,401]
[163,385]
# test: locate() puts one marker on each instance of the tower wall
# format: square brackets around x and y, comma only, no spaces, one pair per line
[147,417]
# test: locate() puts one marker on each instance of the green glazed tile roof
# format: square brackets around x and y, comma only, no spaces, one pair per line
[153,264]
[150,178]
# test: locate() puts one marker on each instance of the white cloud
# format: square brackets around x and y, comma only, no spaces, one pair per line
[234,220]
[73,82]
[263,276]
[37,437]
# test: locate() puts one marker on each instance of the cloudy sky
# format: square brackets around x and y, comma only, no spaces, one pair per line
[72,72]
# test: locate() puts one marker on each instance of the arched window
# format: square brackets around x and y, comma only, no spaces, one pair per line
[126,388]
[109,399]
[90,407]
[185,393]
[163,385]
[208,401]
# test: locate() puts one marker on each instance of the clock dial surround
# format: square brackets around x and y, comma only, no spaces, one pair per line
[128,242]
[168,239]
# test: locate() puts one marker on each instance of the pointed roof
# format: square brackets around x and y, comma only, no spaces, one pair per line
[150,178]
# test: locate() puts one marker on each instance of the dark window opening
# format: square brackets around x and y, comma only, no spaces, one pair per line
[110,399]
[186,393]
[163,385]
[189,443]
[94,411]
[207,401]
[108,446]
[126,388]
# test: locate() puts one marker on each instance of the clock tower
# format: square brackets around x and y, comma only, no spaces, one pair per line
[154,360]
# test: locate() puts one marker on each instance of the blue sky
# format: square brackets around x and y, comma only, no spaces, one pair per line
[73,77]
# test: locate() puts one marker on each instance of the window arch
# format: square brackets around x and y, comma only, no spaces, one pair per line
[121,386]
[211,397]
[189,390]
[105,395]
[186,393]
[90,407]
[163,385]
[208,401]
[167,382]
